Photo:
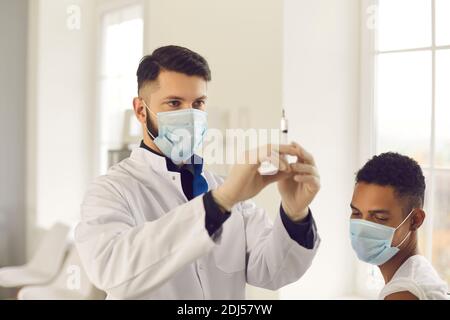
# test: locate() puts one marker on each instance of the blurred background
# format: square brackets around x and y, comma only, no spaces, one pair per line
[356,78]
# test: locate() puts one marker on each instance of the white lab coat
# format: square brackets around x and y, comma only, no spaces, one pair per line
[140,238]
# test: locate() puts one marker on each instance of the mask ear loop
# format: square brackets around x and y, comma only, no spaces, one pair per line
[401,225]
[405,219]
[146,127]
[398,246]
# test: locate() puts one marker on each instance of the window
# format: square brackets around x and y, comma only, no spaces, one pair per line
[411,105]
[121,50]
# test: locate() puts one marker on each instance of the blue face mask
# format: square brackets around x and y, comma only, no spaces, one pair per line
[180,132]
[372,242]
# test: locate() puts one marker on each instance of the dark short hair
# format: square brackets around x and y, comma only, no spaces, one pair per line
[400,172]
[172,58]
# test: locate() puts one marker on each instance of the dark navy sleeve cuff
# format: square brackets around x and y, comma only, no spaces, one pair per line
[304,233]
[214,217]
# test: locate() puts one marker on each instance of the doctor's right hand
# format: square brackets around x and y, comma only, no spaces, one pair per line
[245,182]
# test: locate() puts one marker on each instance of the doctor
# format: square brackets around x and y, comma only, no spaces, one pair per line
[157,226]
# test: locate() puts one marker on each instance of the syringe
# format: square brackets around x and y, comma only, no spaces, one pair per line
[285,137]
[267,168]
[284,129]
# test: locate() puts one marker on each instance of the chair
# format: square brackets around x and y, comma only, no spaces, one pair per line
[44,265]
[71,283]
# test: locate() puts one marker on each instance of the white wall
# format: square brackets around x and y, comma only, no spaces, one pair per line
[60,108]
[321,84]
[13,48]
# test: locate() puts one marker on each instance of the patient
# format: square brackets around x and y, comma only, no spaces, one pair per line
[387,211]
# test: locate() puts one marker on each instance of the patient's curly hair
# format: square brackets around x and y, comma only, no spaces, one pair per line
[398,171]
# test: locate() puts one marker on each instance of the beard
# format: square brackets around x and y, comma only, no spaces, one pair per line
[151,127]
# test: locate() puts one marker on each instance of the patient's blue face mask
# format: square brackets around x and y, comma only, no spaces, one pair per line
[180,132]
[372,242]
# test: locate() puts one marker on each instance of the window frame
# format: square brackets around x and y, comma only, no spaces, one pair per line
[368,118]
[104,7]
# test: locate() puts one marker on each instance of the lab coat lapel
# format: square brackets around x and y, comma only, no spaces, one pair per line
[155,167]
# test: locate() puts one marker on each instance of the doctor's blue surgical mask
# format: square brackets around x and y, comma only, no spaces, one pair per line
[180,132]
[372,242]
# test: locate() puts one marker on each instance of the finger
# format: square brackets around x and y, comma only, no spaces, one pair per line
[256,156]
[273,165]
[286,149]
[269,151]
[264,152]
[284,164]
[308,179]
[280,175]
[294,149]
[304,169]
[303,154]
[280,162]
[260,154]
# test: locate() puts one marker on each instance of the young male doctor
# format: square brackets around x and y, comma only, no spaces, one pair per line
[157,226]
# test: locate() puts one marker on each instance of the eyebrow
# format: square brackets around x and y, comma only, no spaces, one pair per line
[173,98]
[379,211]
[371,211]
[182,99]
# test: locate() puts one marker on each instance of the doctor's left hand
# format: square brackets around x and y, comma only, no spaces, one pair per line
[299,188]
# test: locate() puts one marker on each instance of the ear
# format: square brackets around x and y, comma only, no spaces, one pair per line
[417,219]
[139,110]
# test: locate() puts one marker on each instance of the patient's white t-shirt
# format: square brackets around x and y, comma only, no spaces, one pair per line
[417,276]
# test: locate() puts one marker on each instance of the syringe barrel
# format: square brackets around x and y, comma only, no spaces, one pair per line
[284,123]
[284,129]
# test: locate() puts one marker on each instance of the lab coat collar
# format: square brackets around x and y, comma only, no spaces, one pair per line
[149,160]
[161,163]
